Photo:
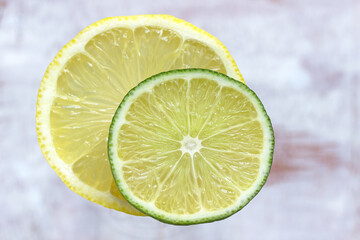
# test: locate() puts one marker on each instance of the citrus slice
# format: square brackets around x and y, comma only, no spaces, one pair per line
[190,146]
[89,77]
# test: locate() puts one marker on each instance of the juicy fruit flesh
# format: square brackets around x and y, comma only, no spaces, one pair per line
[93,82]
[190,154]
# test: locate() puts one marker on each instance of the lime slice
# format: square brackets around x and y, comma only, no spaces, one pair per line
[190,146]
[89,77]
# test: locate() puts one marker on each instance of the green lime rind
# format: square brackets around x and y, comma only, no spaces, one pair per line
[185,219]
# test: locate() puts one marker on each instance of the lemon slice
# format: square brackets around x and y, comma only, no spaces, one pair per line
[190,146]
[89,77]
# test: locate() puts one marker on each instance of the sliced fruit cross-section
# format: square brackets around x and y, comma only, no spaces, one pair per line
[89,77]
[190,146]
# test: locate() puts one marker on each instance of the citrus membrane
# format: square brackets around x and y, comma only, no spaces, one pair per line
[190,146]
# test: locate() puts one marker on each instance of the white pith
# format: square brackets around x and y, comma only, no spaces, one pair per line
[190,145]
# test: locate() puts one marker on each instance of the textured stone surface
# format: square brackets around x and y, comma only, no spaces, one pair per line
[302,59]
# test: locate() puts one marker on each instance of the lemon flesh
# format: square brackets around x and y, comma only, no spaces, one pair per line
[89,77]
[190,146]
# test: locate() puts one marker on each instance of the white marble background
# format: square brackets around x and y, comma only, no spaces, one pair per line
[301,57]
